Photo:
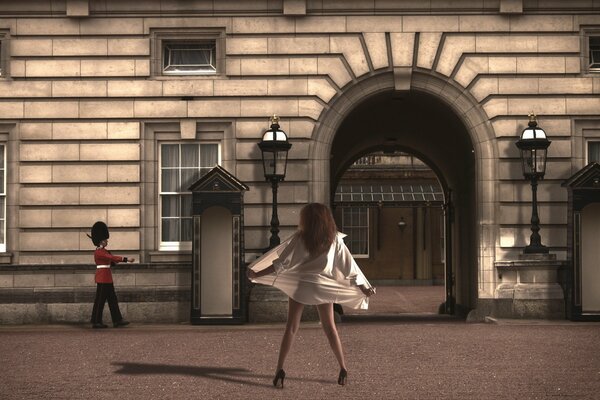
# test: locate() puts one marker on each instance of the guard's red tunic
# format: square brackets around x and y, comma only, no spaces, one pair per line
[103,257]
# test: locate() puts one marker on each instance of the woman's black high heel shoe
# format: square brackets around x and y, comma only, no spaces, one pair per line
[343,377]
[280,376]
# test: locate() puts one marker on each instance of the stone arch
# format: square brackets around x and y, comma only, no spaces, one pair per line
[476,123]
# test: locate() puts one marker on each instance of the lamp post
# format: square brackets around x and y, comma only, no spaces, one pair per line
[274,147]
[533,145]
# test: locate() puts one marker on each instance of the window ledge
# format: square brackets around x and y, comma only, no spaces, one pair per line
[188,77]
[183,256]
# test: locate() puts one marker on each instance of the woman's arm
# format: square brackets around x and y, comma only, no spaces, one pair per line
[253,275]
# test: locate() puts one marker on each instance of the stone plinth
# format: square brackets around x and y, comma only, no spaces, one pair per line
[268,304]
[529,288]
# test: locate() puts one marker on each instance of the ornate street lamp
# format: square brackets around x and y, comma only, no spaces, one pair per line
[274,147]
[533,145]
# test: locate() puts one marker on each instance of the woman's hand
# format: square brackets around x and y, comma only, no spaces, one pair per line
[130,260]
[367,291]
[251,274]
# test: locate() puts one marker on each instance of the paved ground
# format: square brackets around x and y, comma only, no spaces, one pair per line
[404,299]
[412,353]
[401,359]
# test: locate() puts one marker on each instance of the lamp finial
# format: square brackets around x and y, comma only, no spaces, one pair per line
[275,119]
[532,119]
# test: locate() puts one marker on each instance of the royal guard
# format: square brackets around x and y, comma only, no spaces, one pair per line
[105,289]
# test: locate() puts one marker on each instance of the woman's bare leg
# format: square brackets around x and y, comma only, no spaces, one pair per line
[291,328]
[328,324]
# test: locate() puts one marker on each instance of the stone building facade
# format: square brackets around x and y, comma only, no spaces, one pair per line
[101,107]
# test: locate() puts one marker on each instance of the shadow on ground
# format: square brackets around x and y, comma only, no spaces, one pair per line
[235,375]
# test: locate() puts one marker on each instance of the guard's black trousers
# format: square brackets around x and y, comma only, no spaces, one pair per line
[104,292]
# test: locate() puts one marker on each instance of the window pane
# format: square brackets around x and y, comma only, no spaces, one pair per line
[190,58]
[364,240]
[2,199]
[170,206]
[355,224]
[166,56]
[595,52]
[190,55]
[593,151]
[2,232]
[169,155]
[186,229]
[170,230]
[186,205]
[1,156]
[209,155]
[169,180]
[189,155]
[188,177]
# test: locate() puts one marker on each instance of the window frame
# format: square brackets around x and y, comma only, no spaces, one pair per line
[173,245]
[367,228]
[588,51]
[587,148]
[161,37]
[585,35]
[210,45]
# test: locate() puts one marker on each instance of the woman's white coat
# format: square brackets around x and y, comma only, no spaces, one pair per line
[332,277]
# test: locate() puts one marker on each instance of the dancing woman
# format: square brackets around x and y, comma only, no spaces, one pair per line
[313,267]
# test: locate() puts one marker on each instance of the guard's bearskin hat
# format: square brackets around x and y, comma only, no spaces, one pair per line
[99,233]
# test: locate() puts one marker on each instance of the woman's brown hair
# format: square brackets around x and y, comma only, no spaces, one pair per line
[317,228]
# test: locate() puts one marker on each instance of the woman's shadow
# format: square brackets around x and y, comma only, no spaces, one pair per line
[233,375]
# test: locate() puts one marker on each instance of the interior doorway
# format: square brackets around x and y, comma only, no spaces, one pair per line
[391,206]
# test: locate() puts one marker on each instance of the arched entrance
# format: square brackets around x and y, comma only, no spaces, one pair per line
[438,121]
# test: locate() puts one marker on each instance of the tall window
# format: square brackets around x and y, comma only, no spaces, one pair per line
[189,58]
[355,224]
[594,45]
[2,198]
[593,151]
[180,166]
